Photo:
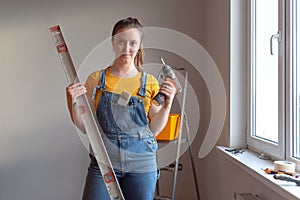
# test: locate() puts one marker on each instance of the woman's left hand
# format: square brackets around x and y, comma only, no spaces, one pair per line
[168,89]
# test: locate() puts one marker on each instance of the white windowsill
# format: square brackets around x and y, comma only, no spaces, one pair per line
[249,162]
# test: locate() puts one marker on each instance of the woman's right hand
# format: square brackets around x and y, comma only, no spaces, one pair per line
[76,90]
[73,92]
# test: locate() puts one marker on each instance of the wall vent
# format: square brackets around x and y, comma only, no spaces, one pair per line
[245,196]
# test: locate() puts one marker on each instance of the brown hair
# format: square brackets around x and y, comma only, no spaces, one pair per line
[128,23]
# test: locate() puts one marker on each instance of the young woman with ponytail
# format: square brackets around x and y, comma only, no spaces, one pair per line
[129,129]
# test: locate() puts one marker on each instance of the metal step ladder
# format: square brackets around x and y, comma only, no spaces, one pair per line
[176,166]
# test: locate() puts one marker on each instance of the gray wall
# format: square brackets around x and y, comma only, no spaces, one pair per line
[41,154]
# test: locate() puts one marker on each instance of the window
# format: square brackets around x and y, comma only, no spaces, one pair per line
[265,72]
[274,83]
[267,86]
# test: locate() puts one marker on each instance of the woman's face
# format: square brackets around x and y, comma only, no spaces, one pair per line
[126,44]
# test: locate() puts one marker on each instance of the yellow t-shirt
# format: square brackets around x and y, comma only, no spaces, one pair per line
[117,85]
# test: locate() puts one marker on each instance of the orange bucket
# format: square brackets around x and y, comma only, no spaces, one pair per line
[170,132]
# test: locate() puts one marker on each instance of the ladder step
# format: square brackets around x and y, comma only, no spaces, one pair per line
[171,167]
[162,198]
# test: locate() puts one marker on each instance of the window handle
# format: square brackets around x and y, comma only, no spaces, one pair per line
[273,37]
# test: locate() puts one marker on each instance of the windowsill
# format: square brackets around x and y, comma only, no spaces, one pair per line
[249,162]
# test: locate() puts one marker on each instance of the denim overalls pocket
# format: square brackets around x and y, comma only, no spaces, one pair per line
[116,118]
[151,144]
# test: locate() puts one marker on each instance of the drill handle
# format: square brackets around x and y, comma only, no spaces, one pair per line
[178,86]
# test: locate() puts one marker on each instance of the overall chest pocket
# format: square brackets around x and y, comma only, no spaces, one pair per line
[116,118]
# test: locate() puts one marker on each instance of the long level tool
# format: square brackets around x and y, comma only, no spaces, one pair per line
[90,124]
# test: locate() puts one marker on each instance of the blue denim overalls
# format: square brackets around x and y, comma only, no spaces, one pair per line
[130,144]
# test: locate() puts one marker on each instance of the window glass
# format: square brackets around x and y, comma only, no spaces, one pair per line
[265,70]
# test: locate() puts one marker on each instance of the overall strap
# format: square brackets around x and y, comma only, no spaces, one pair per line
[102,84]
[142,91]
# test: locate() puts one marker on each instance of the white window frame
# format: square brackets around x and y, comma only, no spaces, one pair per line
[289,62]
[276,151]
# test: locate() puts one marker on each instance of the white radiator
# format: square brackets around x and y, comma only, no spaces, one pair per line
[245,196]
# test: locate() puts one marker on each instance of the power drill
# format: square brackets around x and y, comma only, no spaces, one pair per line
[168,74]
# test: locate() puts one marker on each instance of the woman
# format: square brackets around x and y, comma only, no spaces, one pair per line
[121,97]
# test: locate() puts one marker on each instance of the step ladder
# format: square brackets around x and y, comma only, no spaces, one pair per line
[176,166]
